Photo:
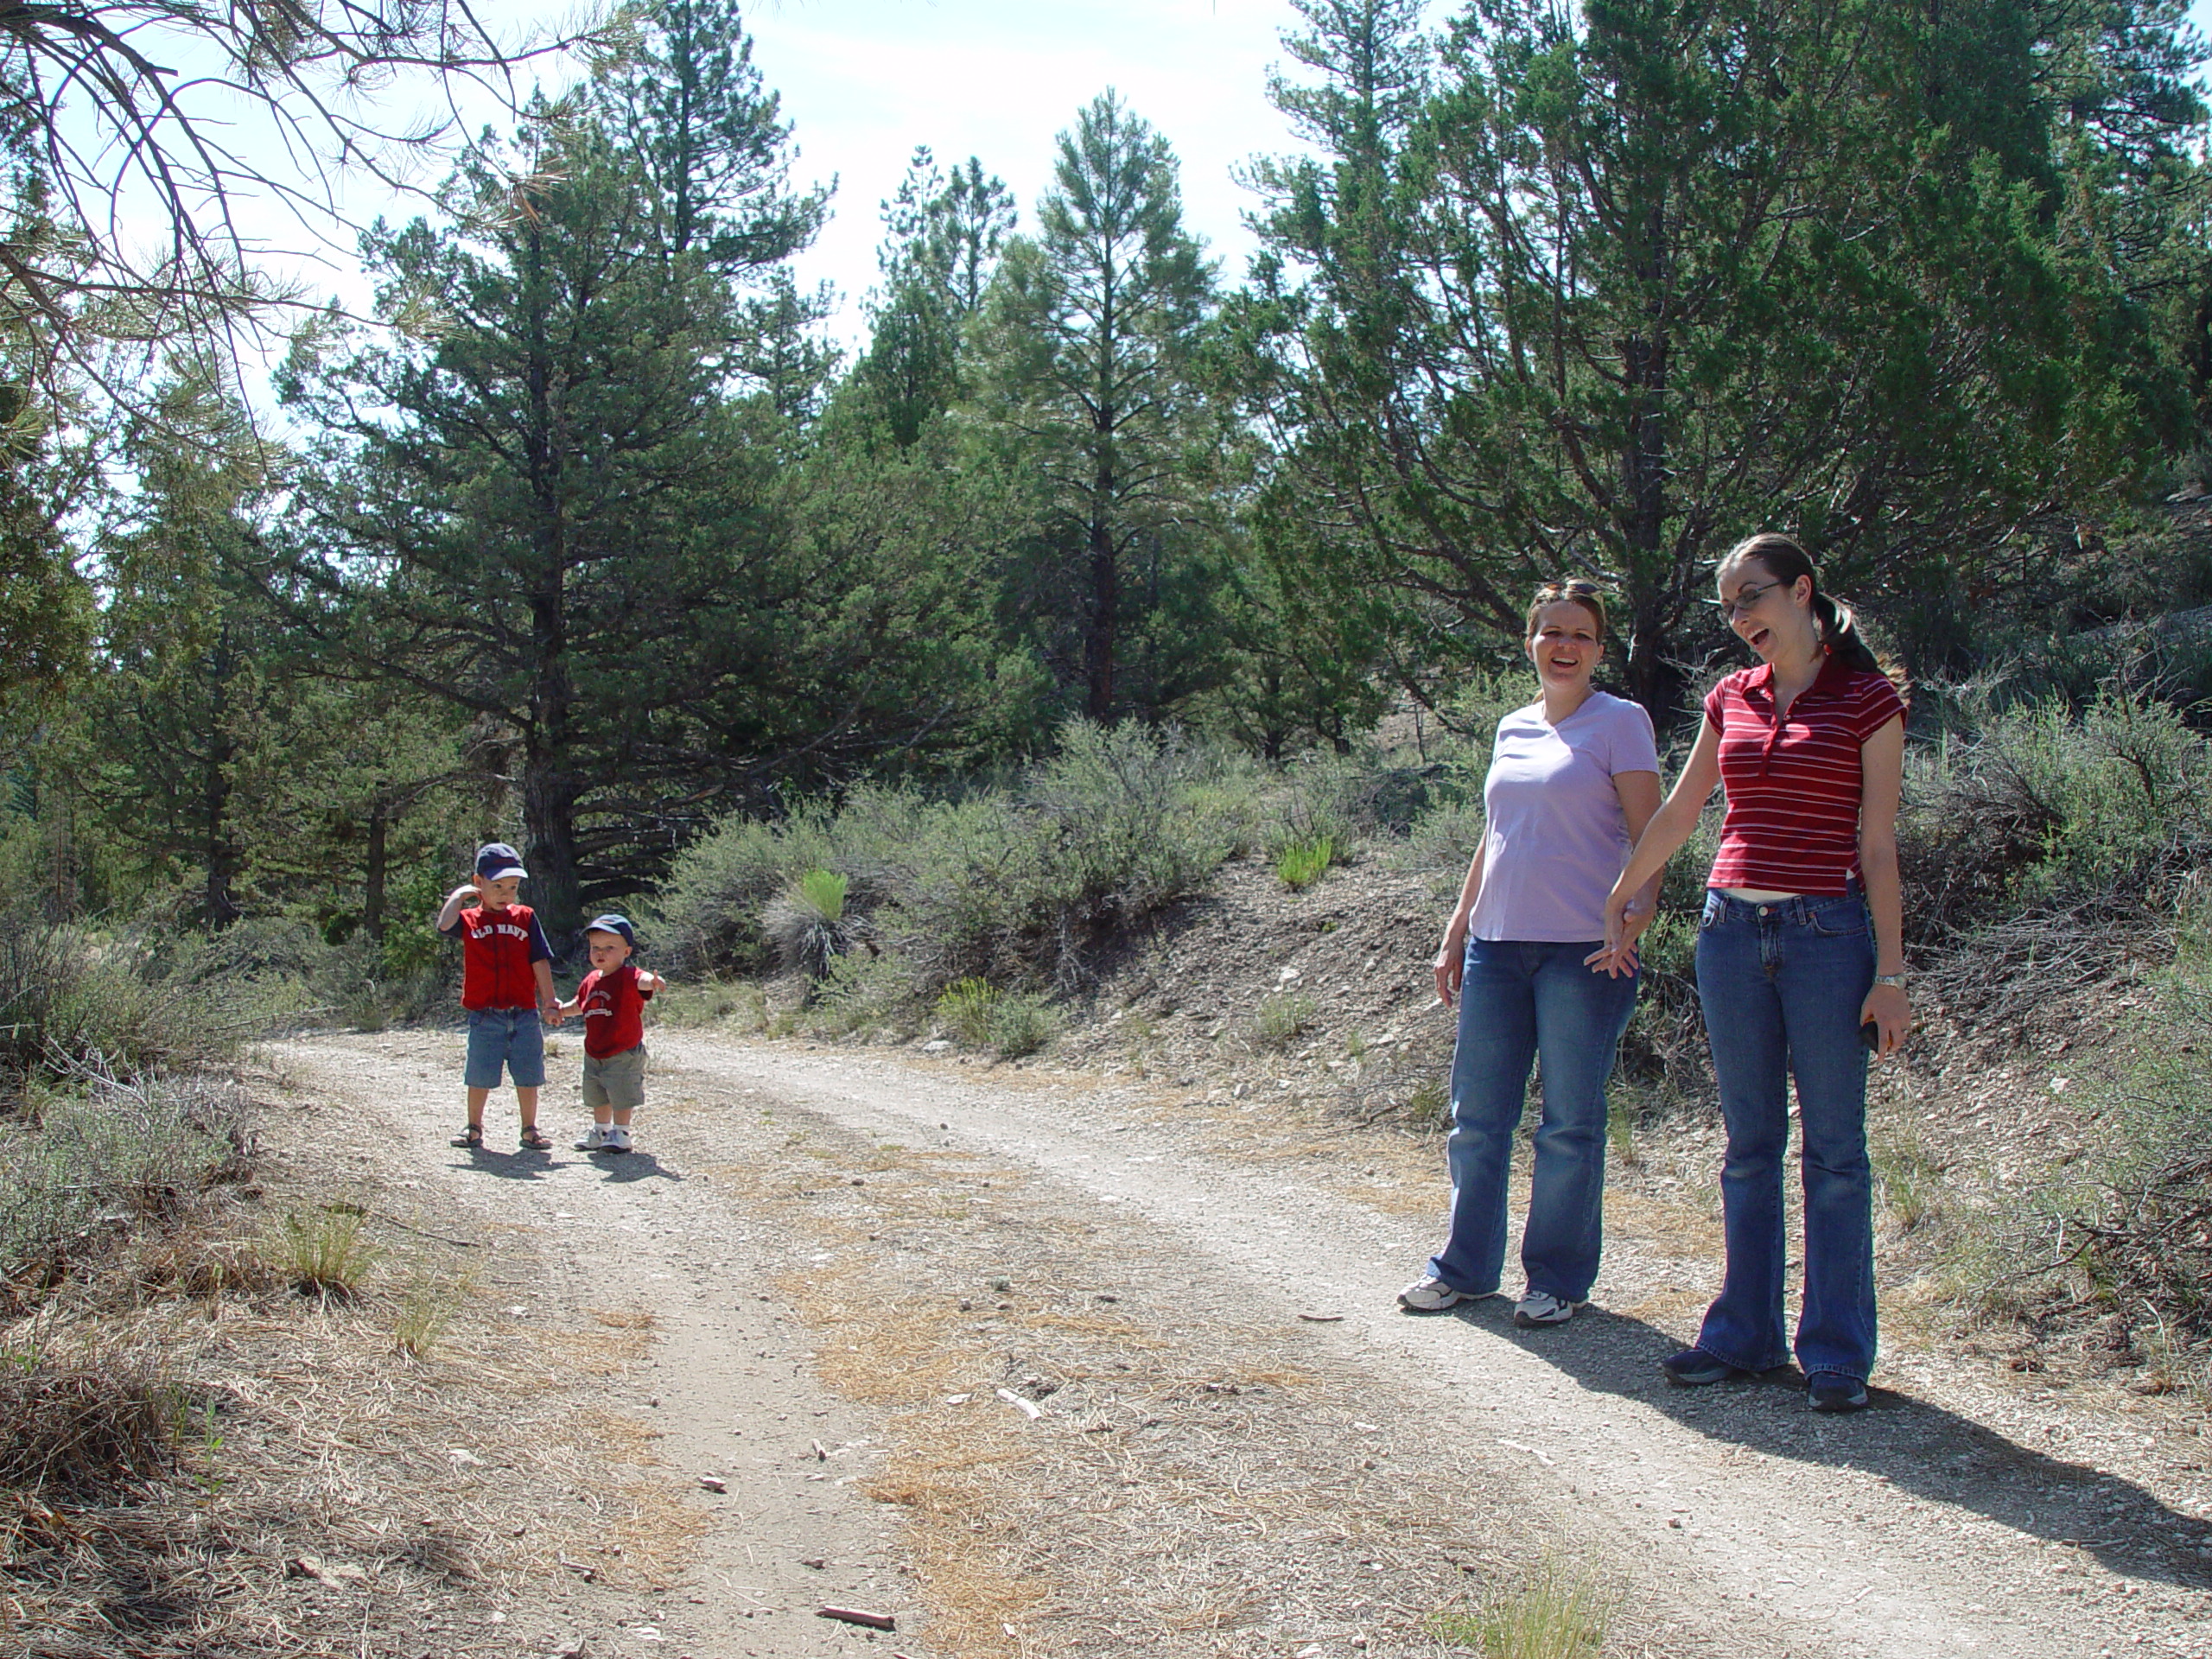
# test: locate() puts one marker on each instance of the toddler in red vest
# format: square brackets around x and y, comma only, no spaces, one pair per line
[612,999]
[506,986]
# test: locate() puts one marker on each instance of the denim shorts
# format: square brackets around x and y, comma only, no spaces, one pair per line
[514,1037]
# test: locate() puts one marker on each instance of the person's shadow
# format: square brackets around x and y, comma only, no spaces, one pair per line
[615,1169]
[506,1164]
[619,1169]
[1916,1447]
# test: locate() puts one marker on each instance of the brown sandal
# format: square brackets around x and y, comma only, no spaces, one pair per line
[536,1140]
[471,1136]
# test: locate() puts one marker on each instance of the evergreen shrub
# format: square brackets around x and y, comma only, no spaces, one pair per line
[68,996]
[2114,1248]
[1014,884]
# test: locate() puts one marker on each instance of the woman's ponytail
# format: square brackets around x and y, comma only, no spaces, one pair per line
[1839,634]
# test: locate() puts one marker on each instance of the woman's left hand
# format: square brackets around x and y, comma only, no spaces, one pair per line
[1617,955]
[1887,1009]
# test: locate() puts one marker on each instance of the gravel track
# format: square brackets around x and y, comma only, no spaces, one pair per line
[1151,1239]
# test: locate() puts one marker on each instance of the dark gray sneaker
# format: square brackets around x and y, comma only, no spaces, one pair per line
[1833,1391]
[1693,1369]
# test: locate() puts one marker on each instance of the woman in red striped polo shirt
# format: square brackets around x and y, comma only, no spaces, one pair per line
[1800,947]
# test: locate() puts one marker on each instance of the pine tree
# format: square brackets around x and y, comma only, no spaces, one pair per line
[1091,330]
[944,236]
[1618,289]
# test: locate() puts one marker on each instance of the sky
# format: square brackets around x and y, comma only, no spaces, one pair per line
[864,81]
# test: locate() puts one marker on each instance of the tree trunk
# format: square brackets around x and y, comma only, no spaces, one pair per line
[219,854]
[1653,679]
[1655,676]
[372,878]
[549,818]
[1105,603]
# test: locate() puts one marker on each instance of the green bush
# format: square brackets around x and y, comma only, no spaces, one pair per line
[977,1015]
[1020,1025]
[965,1008]
[860,992]
[2114,1248]
[825,890]
[68,997]
[1011,884]
[1441,843]
[2038,804]
[1301,863]
[108,1154]
[808,923]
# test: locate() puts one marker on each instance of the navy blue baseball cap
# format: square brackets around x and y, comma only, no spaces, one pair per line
[496,860]
[611,923]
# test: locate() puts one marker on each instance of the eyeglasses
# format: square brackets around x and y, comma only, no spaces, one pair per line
[1746,599]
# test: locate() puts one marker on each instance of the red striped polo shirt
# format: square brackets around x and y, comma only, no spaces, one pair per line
[1792,824]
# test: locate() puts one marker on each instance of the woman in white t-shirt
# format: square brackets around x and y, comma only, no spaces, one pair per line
[1573,779]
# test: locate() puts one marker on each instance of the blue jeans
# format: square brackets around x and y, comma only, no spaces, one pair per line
[514,1037]
[1782,985]
[1519,1000]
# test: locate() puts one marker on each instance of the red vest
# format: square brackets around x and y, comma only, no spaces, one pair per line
[495,958]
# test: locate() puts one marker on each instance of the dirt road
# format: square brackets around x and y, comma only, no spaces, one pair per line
[1040,1367]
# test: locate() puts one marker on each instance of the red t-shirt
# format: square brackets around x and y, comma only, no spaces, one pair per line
[1792,823]
[497,949]
[614,1006]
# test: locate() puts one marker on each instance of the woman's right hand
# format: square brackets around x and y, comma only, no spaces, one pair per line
[1451,966]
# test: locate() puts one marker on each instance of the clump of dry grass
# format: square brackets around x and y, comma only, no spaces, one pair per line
[322,1252]
[428,1303]
[1558,1611]
[84,1423]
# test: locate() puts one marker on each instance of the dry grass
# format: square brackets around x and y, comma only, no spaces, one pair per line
[177,1432]
[82,1417]
[1560,1611]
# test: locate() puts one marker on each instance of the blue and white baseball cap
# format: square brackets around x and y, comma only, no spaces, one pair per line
[496,860]
[613,924]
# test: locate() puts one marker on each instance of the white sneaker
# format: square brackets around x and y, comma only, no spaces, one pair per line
[594,1139]
[1541,1307]
[617,1139]
[1429,1295]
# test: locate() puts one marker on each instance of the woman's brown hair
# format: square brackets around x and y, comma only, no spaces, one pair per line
[1585,593]
[1781,557]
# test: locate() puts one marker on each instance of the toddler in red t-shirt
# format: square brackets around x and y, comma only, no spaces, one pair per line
[612,1001]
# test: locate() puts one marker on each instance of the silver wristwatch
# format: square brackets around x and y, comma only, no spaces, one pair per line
[1896,979]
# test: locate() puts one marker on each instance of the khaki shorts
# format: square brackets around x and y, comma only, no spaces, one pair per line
[618,1081]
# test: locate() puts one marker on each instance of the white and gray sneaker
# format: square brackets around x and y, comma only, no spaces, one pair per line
[1429,1295]
[617,1139]
[1541,1307]
[594,1139]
